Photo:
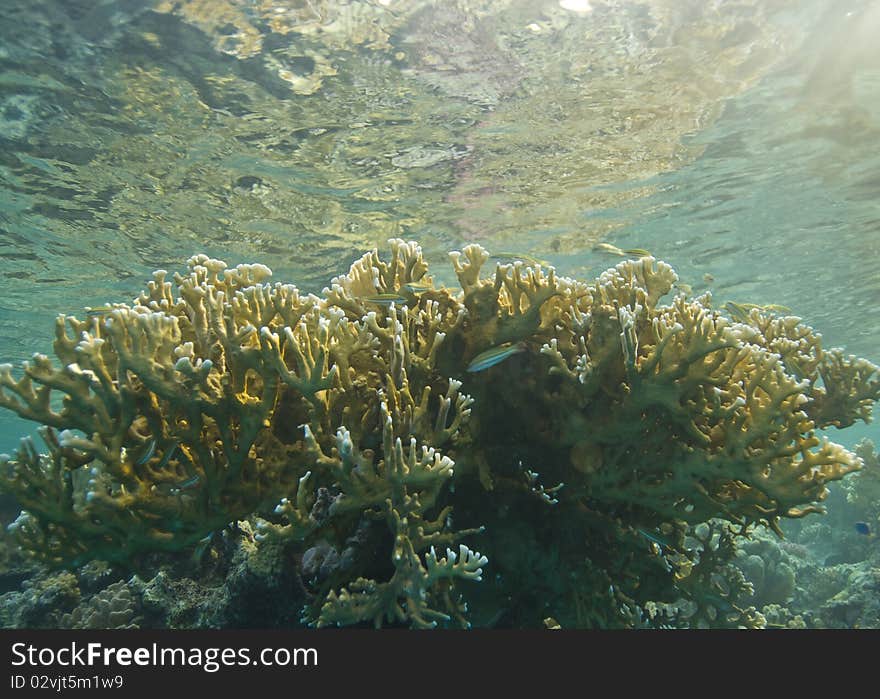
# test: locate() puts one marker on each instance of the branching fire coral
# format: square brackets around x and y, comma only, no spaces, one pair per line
[218,395]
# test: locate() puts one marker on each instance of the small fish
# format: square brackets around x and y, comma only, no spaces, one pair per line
[177,488]
[494,356]
[523,257]
[656,539]
[614,250]
[147,453]
[743,309]
[609,248]
[98,310]
[385,299]
[202,548]
[167,456]
[738,311]
[418,287]
[686,288]
[863,528]
[775,308]
[766,307]
[708,278]
[190,482]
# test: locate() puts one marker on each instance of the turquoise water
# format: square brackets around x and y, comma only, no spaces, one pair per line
[736,141]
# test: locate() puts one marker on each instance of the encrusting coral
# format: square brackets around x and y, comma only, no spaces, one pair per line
[616,426]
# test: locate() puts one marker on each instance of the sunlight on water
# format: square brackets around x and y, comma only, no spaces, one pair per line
[732,141]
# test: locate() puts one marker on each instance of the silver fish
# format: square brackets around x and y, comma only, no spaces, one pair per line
[386,299]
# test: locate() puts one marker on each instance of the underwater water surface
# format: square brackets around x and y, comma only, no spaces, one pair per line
[733,140]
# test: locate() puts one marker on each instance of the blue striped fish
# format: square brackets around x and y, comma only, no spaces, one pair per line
[147,453]
[179,487]
[190,482]
[169,454]
[494,356]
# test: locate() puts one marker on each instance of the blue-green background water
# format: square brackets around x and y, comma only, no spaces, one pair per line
[734,140]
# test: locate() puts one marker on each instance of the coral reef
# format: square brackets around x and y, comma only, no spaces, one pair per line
[857,605]
[229,583]
[625,442]
[780,617]
[824,573]
[863,489]
[768,569]
[112,608]
[41,602]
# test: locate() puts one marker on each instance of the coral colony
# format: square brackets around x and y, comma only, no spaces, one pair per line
[606,451]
